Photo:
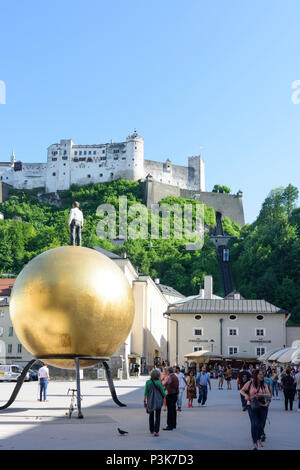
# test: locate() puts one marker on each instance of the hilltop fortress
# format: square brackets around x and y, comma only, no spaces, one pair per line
[68,163]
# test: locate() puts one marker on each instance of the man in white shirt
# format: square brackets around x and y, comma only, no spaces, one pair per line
[75,224]
[43,376]
[182,383]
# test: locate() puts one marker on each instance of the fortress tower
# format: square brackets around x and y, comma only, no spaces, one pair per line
[58,173]
[135,154]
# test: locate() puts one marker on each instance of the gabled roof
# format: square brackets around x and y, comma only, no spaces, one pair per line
[224,306]
[5,286]
[167,290]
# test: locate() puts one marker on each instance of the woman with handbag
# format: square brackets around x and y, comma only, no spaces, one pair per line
[191,392]
[153,400]
[255,392]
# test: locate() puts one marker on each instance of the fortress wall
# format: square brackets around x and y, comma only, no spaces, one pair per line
[230,205]
[155,192]
[33,175]
[4,189]
[167,173]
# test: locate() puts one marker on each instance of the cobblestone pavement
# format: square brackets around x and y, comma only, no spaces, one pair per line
[30,424]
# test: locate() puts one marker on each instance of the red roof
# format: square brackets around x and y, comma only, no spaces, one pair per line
[5,286]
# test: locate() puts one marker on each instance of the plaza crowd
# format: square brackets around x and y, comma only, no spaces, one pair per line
[168,388]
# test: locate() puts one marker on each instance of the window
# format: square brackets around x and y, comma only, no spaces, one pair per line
[9,348]
[116,158]
[101,174]
[197,348]
[94,153]
[232,317]
[116,151]
[82,159]
[80,153]
[197,317]
[2,313]
[259,332]
[53,174]
[1,330]
[260,351]
[123,158]
[90,153]
[65,158]
[10,331]
[84,153]
[75,153]
[89,159]
[103,151]
[88,176]
[102,158]
[259,317]
[233,350]
[65,152]
[19,348]
[233,332]
[54,159]
[198,332]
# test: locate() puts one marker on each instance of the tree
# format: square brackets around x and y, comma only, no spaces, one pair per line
[221,189]
[290,196]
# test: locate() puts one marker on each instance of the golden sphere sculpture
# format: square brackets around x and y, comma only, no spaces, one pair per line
[72,301]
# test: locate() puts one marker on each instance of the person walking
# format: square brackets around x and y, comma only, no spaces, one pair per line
[43,377]
[297,381]
[172,387]
[162,379]
[154,395]
[220,377]
[182,384]
[255,392]
[202,382]
[228,377]
[243,377]
[287,382]
[191,392]
[75,224]
[275,378]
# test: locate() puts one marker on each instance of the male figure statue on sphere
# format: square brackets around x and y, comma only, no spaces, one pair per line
[75,224]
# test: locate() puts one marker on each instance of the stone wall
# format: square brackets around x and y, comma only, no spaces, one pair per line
[4,189]
[228,205]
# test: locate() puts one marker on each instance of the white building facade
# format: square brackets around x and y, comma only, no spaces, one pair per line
[232,327]
[11,349]
[68,163]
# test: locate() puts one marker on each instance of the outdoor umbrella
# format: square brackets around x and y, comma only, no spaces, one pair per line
[203,355]
[275,356]
[289,355]
[268,354]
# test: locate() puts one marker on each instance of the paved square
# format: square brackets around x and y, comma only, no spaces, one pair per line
[30,424]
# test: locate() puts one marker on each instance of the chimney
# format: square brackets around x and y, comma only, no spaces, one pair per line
[208,287]
[157,281]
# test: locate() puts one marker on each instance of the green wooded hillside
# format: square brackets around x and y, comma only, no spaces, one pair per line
[44,227]
[265,255]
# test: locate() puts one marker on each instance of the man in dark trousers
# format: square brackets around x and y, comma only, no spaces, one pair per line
[75,224]
[172,387]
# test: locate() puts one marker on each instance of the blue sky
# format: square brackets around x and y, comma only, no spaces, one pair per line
[185,74]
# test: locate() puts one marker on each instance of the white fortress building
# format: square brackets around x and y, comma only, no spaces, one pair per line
[68,163]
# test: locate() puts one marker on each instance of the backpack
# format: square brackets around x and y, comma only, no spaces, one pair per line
[244,377]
